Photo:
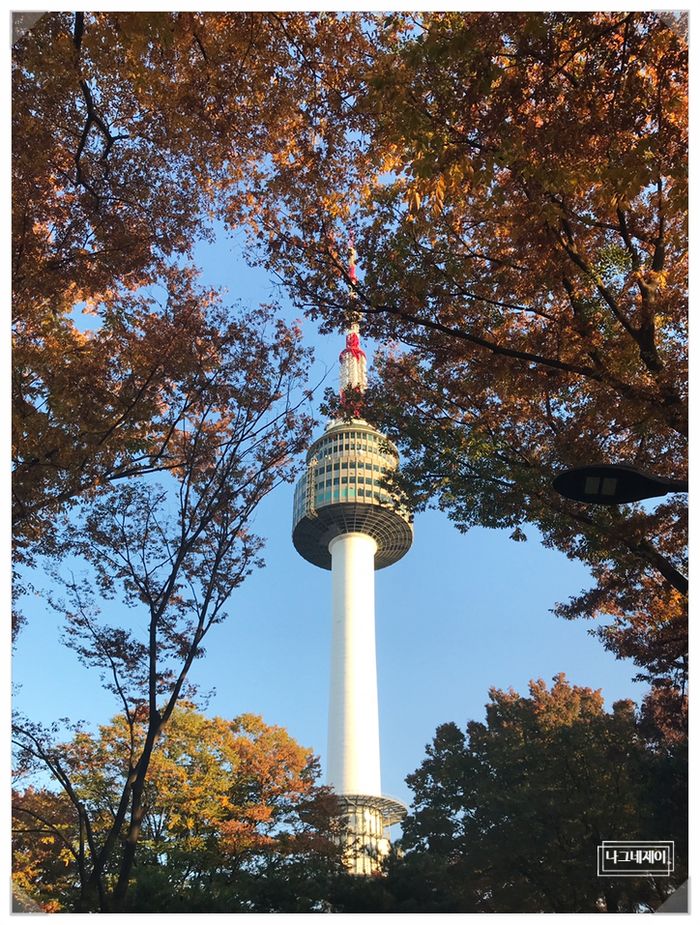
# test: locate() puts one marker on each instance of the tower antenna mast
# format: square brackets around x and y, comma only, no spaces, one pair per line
[353,362]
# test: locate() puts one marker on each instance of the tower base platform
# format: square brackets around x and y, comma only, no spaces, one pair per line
[366,839]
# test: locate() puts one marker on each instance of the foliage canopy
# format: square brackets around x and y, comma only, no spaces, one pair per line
[231,810]
[508,817]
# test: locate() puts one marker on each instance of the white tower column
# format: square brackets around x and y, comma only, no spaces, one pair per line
[353,727]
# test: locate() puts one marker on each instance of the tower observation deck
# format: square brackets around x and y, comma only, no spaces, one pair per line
[346,520]
[342,492]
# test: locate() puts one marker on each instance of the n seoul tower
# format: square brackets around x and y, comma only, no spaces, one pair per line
[347,522]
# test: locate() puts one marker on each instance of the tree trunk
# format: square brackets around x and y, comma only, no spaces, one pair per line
[92,896]
[137,813]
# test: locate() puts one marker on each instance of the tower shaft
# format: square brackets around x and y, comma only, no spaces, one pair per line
[353,718]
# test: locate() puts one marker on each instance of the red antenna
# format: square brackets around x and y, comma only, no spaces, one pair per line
[353,362]
[352,258]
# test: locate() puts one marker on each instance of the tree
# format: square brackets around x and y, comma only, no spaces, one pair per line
[172,550]
[129,132]
[516,183]
[97,407]
[97,214]
[223,800]
[508,817]
[43,849]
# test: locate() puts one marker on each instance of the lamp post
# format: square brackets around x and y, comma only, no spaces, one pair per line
[609,484]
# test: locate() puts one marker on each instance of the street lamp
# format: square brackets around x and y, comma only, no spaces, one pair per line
[613,484]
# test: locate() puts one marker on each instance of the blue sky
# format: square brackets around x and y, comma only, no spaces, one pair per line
[458,615]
